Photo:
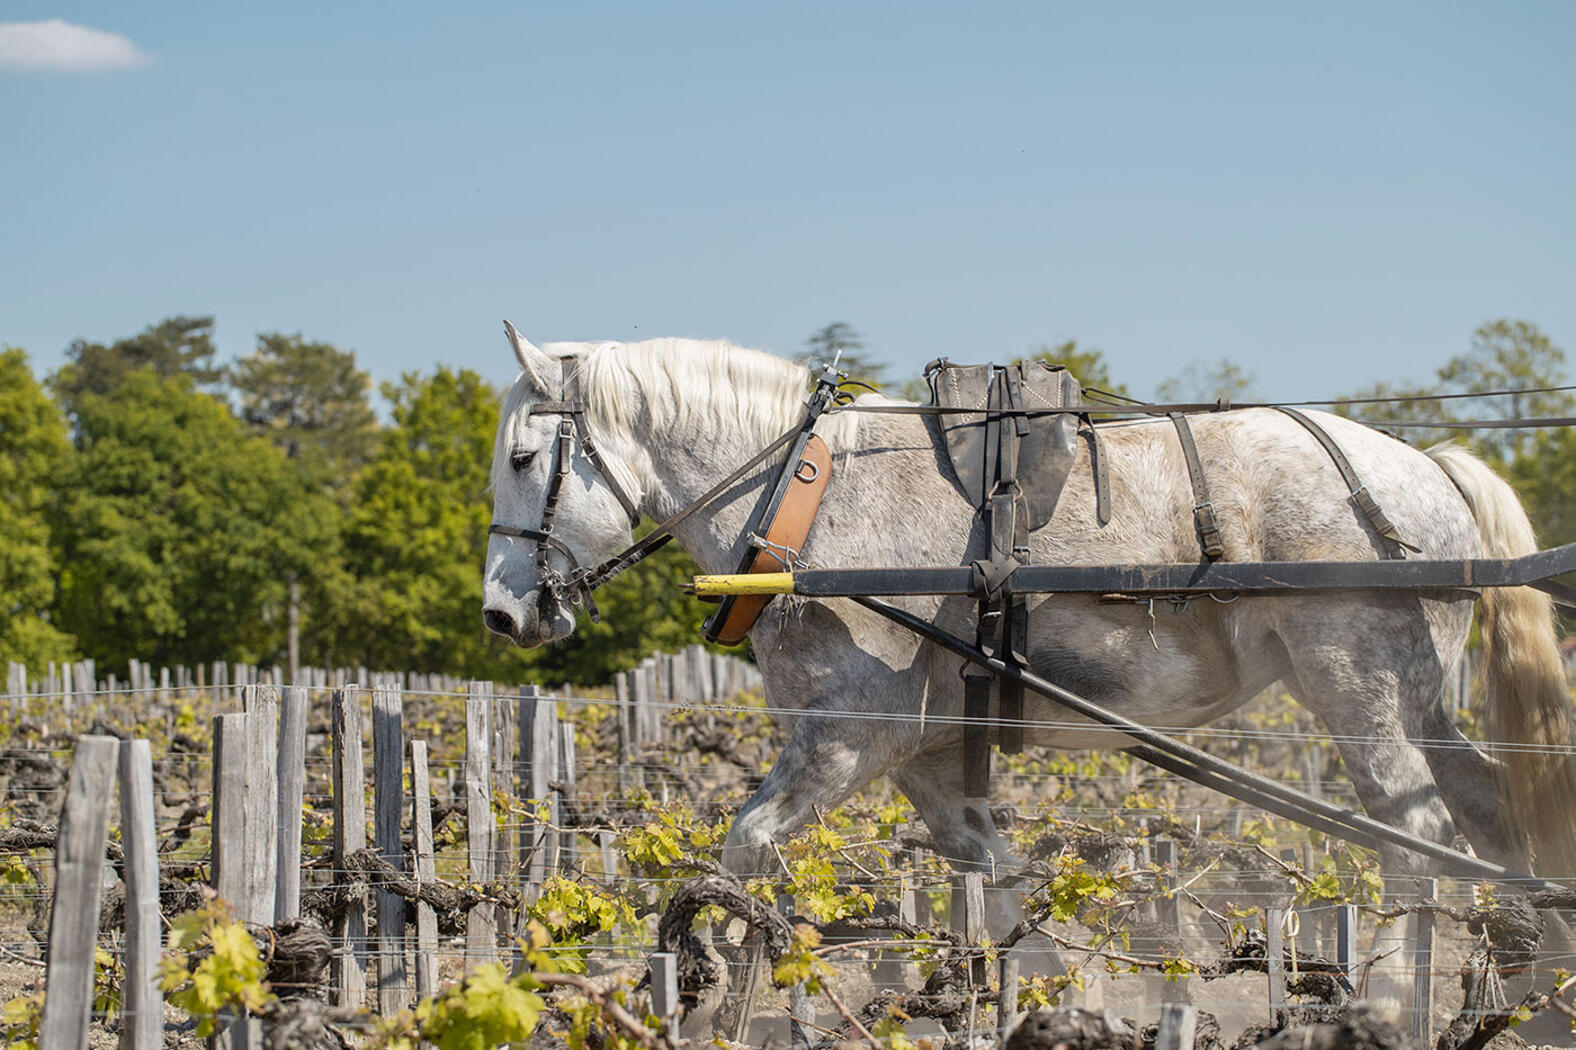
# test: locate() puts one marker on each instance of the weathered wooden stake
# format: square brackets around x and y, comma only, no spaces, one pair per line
[350,835]
[1178,1025]
[1007,992]
[388,810]
[1423,964]
[426,871]
[481,925]
[1275,950]
[569,848]
[142,1019]
[261,703]
[968,918]
[665,989]
[1346,941]
[1169,912]
[230,849]
[292,795]
[622,709]
[74,909]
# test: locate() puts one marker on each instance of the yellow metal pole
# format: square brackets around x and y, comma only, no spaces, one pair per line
[743,583]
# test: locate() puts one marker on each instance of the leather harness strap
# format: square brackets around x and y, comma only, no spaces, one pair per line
[1204,520]
[778,549]
[1362,499]
[1102,473]
[770,547]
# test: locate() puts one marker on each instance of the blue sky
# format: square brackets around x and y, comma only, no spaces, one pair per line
[1328,194]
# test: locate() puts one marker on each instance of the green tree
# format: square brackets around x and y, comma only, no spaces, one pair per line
[1089,366]
[1508,355]
[415,537]
[1504,355]
[178,528]
[1545,476]
[174,346]
[1403,410]
[1206,381]
[312,401]
[33,453]
[840,337]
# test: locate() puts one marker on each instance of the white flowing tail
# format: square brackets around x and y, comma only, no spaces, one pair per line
[1528,705]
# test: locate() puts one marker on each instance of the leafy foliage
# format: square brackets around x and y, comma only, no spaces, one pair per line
[1208,381]
[312,401]
[33,453]
[212,965]
[176,346]
[176,528]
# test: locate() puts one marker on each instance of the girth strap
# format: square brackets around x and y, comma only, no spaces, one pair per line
[1362,499]
[1204,520]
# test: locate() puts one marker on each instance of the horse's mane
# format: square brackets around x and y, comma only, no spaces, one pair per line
[698,387]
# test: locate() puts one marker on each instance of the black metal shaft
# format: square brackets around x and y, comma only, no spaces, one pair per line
[1204,768]
[1201,578]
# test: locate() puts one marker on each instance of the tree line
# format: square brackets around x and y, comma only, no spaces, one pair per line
[159,505]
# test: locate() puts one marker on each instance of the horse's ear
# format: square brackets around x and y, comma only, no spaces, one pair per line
[533,362]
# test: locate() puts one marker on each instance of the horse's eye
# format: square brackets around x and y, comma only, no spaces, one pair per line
[521,460]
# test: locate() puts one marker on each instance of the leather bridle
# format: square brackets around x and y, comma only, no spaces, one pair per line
[571,407]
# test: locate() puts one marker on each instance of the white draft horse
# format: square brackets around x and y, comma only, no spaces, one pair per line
[672,417]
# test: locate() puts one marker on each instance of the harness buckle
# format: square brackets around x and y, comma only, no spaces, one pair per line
[1208,529]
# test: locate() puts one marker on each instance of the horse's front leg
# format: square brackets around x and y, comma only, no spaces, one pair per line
[825,760]
[963,831]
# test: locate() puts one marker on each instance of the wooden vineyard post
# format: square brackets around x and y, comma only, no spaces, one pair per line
[350,835]
[426,871]
[604,841]
[261,803]
[1423,962]
[538,717]
[665,991]
[244,800]
[801,1009]
[1275,953]
[74,909]
[1007,993]
[968,918]
[142,1004]
[621,722]
[564,799]
[533,838]
[388,809]
[1177,1028]
[481,923]
[1169,913]
[292,795]
[506,768]
[1346,942]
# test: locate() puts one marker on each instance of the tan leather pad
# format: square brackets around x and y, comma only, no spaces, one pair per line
[788,529]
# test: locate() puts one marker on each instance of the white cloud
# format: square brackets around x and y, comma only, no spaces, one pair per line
[56,46]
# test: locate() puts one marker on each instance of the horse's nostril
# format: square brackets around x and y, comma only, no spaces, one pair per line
[498,622]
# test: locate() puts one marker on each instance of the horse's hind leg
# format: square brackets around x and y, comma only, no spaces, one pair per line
[1370,670]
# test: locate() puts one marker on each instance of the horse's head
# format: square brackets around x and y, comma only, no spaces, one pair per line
[557,509]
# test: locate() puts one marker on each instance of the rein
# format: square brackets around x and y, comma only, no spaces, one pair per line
[578,586]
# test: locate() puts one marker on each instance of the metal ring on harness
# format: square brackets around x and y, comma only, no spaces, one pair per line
[799,471]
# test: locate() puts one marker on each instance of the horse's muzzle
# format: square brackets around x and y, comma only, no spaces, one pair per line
[536,620]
